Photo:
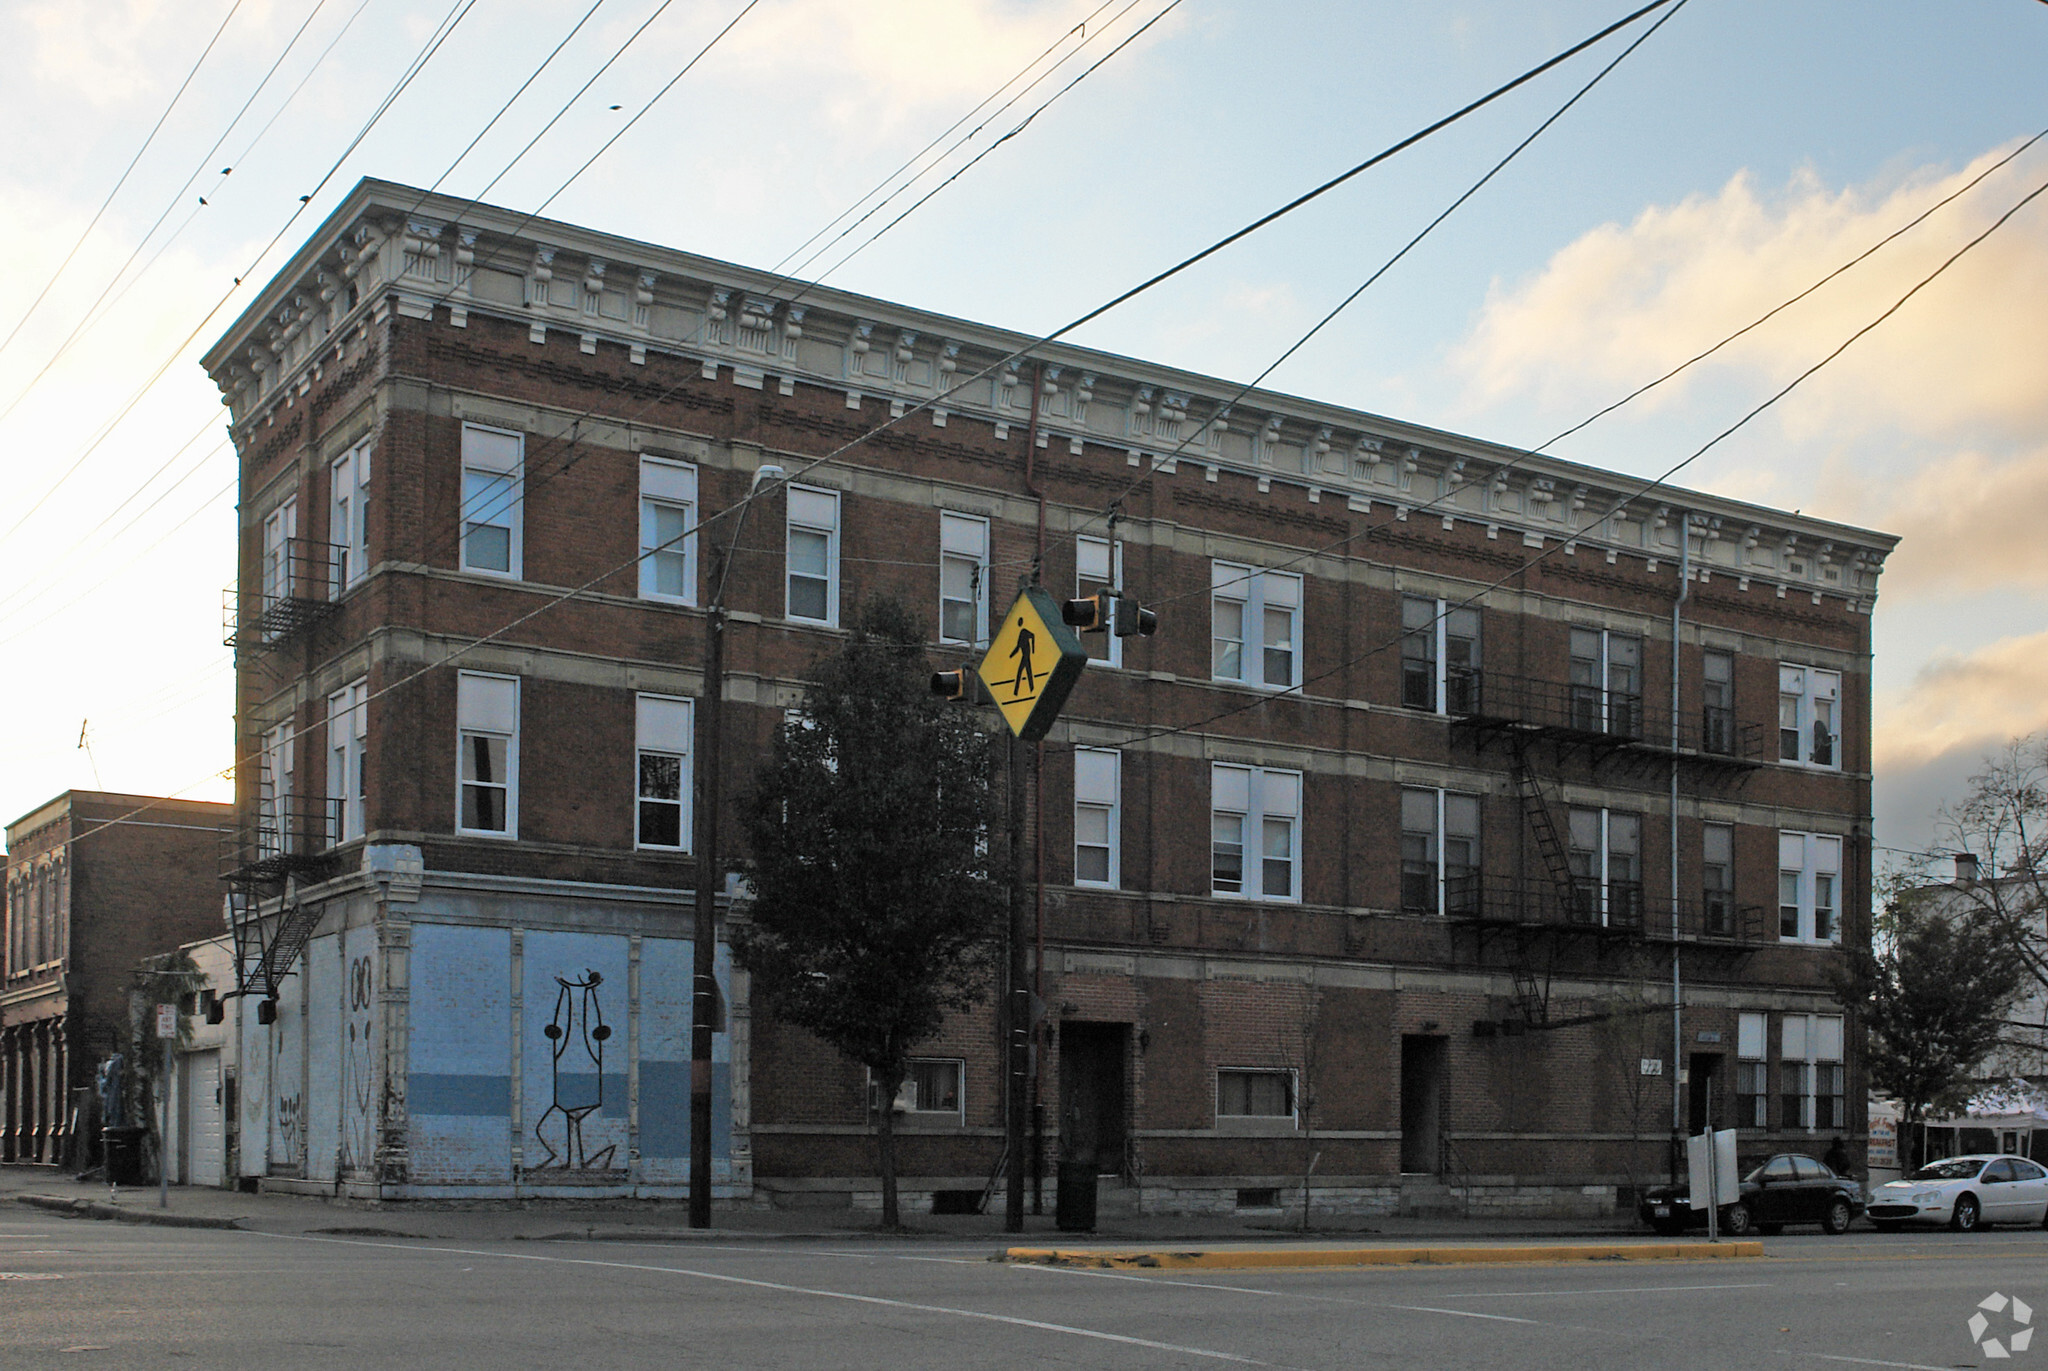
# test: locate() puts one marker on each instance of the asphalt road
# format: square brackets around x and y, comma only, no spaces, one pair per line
[78,1294]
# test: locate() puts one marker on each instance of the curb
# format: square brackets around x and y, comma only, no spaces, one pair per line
[92,1209]
[1245,1258]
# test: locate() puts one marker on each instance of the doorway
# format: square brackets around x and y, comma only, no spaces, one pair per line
[1093,1109]
[1702,1093]
[1423,1061]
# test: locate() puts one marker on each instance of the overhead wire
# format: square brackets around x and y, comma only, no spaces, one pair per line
[948,131]
[177,198]
[1645,488]
[122,180]
[1158,278]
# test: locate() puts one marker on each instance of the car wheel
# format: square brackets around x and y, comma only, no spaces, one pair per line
[1967,1215]
[1736,1220]
[1838,1218]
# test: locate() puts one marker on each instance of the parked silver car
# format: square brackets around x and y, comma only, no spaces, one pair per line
[1966,1193]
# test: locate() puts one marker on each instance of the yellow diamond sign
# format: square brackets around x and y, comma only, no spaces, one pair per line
[1032,664]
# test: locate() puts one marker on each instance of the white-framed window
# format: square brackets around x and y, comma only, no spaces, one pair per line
[664,733]
[1752,1071]
[963,578]
[1097,811]
[274,574]
[1606,685]
[1439,656]
[813,555]
[1439,852]
[1099,566]
[1254,832]
[1254,1093]
[1812,1080]
[348,518]
[1255,621]
[487,743]
[1605,851]
[493,495]
[1810,716]
[348,732]
[1809,887]
[668,543]
[933,1089]
[274,792]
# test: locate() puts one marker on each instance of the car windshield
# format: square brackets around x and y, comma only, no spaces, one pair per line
[1954,1169]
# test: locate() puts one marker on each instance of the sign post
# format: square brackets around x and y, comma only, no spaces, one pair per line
[167,1033]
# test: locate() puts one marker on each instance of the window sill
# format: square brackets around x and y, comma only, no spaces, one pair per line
[498,833]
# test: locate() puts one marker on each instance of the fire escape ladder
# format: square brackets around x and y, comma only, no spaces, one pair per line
[1532,993]
[245,926]
[295,924]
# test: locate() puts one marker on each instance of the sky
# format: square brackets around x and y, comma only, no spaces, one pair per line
[1744,151]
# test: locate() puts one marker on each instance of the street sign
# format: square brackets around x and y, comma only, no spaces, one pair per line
[1032,664]
[167,1021]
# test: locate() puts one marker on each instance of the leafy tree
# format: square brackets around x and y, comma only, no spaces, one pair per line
[2002,822]
[1934,990]
[875,908]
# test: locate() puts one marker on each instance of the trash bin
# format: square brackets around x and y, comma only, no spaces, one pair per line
[1075,1210]
[122,1148]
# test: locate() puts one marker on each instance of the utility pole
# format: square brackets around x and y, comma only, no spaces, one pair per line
[710,873]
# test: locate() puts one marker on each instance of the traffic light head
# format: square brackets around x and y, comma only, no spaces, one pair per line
[1089,615]
[953,685]
[1128,618]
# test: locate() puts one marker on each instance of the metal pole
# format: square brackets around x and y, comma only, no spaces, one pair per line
[703,931]
[1017,1003]
[163,1134]
[1678,1058]
[710,872]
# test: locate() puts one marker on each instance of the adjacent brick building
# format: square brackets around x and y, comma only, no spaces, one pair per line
[1384,858]
[95,883]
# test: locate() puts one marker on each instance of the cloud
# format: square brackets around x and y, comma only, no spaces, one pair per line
[1966,701]
[1968,521]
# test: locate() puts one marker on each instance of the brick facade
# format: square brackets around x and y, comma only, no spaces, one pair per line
[1527,1005]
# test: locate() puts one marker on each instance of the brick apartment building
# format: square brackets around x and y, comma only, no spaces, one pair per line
[1381,859]
[93,886]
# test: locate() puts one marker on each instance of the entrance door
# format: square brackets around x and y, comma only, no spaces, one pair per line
[1423,1061]
[1092,1105]
[205,1153]
[1702,1093]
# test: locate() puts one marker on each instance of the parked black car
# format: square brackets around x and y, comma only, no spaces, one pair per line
[1788,1188]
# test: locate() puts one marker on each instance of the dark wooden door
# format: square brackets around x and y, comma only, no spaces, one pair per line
[1093,1107]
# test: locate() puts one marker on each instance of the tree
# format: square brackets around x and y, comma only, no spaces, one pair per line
[1935,989]
[2001,828]
[874,908]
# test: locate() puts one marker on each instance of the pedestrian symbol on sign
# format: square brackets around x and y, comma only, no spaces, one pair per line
[1025,682]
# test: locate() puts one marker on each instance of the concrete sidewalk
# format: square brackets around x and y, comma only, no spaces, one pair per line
[667,1220]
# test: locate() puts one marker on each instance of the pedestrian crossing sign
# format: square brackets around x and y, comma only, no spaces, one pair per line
[1032,663]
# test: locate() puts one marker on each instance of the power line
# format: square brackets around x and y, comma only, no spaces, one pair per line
[154,129]
[828,226]
[455,16]
[923,405]
[205,161]
[1642,490]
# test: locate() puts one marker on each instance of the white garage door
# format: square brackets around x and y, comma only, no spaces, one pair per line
[205,1149]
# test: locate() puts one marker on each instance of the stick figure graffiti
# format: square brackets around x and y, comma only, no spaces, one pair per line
[1026,678]
[577,1095]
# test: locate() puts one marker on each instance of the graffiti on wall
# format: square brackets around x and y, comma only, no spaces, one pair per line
[358,1069]
[291,1120]
[577,1031]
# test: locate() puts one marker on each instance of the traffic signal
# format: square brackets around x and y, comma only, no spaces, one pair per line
[961,685]
[1107,611]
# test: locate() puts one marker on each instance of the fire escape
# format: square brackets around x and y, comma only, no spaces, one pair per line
[1533,920]
[279,841]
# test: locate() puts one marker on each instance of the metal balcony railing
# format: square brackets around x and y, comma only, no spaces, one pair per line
[1598,715]
[1622,909]
[280,836]
[296,586]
